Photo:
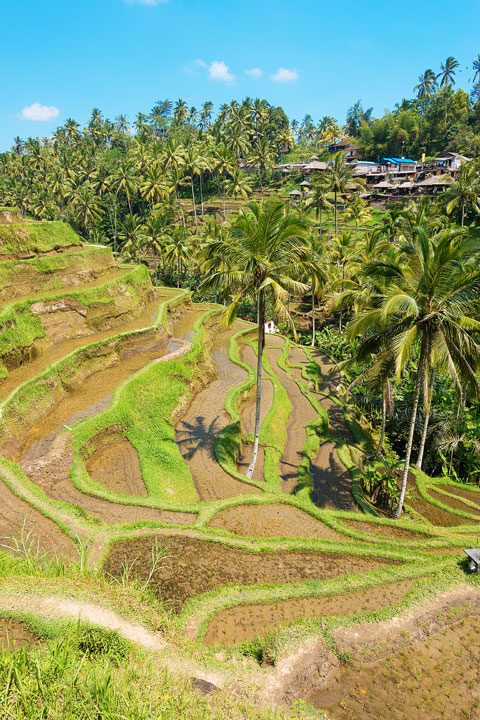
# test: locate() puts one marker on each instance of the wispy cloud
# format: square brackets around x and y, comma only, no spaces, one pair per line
[254,72]
[285,75]
[39,112]
[220,72]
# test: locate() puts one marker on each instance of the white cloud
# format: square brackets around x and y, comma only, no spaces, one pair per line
[200,63]
[218,70]
[255,72]
[285,75]
[39,112]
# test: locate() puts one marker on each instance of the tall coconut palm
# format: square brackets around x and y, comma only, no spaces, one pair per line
[320,198]
[339,175]
[178,250]
[423,314]
[132,235]
[427,85]
[85,206]
[358,211]
[237,185]
[261,257]
[448,71]
[315,273]
[476,70]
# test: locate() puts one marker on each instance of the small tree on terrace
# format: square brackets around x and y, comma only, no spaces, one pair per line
[262,255]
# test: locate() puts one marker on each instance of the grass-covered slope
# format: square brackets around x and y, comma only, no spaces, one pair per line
[26,239]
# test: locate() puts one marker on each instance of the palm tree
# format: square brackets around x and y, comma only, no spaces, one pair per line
[447,72]
[427,85]
[422,314]
[319,200]
[85,206]
[358,211]
[178,250]
[153,188]
[194,165]
[339,174]
[316,274]
[261,256]
[237,185]
[131,235]
[465,191]
[476,70]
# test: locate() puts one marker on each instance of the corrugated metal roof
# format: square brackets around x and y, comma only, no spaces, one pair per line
[397,161]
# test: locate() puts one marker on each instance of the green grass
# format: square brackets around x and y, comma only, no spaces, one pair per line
[39,237]
[143,408]
[45,270]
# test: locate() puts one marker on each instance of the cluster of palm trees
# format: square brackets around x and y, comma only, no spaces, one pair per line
[409,288]
[106,181]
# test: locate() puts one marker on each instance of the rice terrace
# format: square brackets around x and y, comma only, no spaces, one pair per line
[239,409]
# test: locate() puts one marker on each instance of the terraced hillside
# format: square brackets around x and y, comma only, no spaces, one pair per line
[125,427]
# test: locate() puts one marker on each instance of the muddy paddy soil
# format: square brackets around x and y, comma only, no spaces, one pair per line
[116,465]
[47,463]
[301,414]
[426,668]
[47,454]
[434,514]
[70,282]
[202,421]
[273,521]
[384,530]
[247,414]
[15,635]
[193,566]
[50,354]
[21,525]
[455,503]
[245,622]
[472,495]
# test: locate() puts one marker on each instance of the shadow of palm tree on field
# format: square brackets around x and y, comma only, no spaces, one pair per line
[198,435]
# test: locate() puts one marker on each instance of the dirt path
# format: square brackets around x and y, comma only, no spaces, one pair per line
[197,430]
[302,413]
[55,607]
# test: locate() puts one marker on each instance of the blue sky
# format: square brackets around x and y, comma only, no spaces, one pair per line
[60,58]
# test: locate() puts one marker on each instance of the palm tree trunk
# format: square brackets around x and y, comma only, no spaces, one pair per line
[336,214]
[463,214]
[201,194]
[194,203]
[413,419]
[313,319]
[258,406]
[426,420]
[384,422]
